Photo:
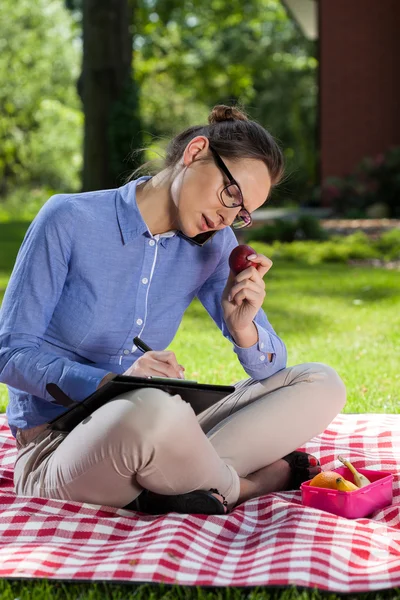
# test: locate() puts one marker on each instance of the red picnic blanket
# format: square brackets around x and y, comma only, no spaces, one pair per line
[269,541]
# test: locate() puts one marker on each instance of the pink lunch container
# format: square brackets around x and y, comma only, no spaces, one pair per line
[352,505]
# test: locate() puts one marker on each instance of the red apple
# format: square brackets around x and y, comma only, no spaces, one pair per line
[238,258]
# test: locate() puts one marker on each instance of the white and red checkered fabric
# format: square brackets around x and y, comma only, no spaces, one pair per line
[271,541]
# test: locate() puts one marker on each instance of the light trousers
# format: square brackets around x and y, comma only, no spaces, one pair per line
[149,439]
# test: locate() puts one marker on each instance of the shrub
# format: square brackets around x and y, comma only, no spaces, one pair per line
[337,249]
[389,244]
[23,203]
[375,181]
[304,228]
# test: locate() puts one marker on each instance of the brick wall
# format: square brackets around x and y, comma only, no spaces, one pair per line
[359,81]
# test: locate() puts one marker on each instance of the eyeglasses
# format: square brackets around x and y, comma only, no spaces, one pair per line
[231,196]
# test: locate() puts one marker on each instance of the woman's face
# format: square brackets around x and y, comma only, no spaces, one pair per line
[196,188]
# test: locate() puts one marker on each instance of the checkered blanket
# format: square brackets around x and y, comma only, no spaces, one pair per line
[269,541]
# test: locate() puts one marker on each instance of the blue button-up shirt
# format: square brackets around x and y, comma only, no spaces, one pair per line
[88,278]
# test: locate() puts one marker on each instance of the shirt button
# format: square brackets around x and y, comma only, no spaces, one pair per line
[139,321]
[126,351]
[145,280]
[262,357]
[262,345]
[151,242]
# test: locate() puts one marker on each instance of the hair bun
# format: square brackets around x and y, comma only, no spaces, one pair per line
[226,113]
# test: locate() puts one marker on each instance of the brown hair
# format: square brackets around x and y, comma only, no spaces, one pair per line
[234,136]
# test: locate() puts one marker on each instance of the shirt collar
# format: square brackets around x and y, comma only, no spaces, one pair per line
[131,222]
[129,217]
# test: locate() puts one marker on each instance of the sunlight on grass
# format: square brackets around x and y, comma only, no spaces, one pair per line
[47,590]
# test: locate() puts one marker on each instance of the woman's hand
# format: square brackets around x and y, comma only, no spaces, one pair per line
[244,294]
[161,363]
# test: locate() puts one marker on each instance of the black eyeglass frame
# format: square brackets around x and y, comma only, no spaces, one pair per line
[232,181]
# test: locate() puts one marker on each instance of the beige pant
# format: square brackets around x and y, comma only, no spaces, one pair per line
[149,439]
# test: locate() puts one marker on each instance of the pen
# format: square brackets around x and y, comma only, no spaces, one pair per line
[141,345]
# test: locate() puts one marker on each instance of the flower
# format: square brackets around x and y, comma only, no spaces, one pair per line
[379,159]
[332,192]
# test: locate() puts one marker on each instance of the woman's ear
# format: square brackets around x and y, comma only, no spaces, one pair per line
[197,147]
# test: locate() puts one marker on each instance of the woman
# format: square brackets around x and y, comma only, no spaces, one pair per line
[97,269]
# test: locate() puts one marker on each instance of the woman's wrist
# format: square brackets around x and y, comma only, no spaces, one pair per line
[247,337]
[106,379]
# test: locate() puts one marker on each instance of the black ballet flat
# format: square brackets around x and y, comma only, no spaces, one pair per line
[299,467]
[198,502]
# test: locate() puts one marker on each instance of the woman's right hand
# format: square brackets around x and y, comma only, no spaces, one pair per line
[156,363]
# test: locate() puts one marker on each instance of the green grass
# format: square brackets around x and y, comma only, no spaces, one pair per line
[11,236]
[346,317]
[46,590]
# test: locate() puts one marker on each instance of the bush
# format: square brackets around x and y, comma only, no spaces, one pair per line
[389,244]
[304,228]
[376,181]
[337,249]
[23,203]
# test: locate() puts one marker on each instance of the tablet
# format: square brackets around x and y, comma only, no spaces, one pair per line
[199,395]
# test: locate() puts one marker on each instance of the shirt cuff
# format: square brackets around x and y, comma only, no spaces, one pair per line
[258,353]
[80,381]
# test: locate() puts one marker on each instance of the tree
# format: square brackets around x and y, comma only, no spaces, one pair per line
[191,55]
[187,56]
[40,117]
[108,91]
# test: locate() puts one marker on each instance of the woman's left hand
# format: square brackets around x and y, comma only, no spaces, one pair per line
[244,294]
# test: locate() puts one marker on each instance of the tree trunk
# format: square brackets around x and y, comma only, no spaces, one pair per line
[106,74]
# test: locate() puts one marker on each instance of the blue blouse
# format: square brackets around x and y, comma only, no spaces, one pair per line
[88,278]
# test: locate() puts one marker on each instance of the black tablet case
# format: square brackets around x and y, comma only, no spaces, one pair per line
[199,395]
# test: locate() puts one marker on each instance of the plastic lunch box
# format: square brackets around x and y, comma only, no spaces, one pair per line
[352,505]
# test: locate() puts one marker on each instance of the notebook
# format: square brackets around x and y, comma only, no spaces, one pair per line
[199,395]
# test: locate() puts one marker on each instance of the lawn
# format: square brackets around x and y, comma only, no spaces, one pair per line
[346,317]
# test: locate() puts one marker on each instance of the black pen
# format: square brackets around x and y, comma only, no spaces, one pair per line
[141,345]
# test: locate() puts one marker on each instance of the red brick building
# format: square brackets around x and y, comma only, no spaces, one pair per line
[359,77]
